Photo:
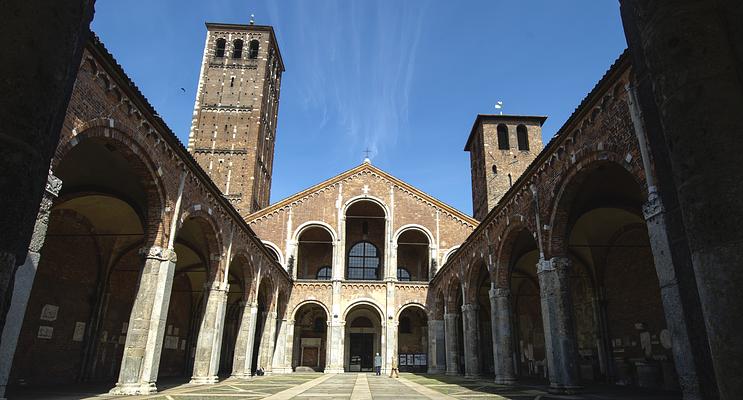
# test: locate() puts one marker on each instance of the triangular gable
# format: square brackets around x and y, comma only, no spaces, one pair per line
[297,197]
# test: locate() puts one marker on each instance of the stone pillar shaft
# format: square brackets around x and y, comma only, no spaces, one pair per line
[471,325]
[559,336]
[282,355]
[500,317]
[241,365]
[209,341]
[144,339]
[266,346]
[335,345]
[452,343]
[436,347]
[23,282]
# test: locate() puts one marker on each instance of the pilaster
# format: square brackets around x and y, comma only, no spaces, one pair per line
[452,343]
[241,365]
[436,347]
[471,325]
[209,341]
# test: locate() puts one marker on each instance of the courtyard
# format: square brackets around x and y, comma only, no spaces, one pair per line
[308,386]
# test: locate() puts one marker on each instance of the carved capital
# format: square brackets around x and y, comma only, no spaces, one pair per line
[553,264]
[499,292]
[470,307]
[652,207]
[158,253]
[53,184]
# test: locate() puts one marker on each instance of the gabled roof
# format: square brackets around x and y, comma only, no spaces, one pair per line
[365,166]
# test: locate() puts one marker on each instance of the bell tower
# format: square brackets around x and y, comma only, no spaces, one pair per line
[501,147]
[233,130]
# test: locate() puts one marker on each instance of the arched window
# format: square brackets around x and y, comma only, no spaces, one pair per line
[237,49]
[503,137]
[363,261]
[522,135]
[219,50]
[253,49]
[403,274]
[324,273]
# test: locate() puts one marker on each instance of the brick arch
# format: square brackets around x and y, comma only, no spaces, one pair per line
[298,306]
[472,277]
[505,252]
[248,271]
[435,303]
[265,281]
[213,238]
[451,293]
[559,209]
[140,160]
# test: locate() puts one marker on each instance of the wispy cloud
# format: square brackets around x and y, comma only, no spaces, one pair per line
[358,63]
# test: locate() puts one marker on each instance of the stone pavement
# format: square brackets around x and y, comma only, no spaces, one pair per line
[316,386]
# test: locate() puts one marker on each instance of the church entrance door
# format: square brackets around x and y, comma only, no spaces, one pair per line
[362,351]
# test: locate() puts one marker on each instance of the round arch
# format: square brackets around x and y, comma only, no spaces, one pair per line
[272,246]
[502,271]
[364,301]
[366,197]
[448,254]
[309,224]
[576,174]
[412,304]
[306,302]
[408,227]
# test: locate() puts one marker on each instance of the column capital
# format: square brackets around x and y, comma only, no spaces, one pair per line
[499,292]
[53,184]
[158,253]
[652,207]
[470,307]
[553,264]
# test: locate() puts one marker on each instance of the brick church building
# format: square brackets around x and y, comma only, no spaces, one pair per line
[154,260]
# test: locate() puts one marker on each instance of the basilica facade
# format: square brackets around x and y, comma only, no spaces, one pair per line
[151,259]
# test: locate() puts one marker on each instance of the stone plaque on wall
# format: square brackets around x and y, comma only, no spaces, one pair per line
[79,333]
[49,312]
[45,332]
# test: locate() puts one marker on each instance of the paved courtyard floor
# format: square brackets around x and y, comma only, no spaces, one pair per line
[361,386]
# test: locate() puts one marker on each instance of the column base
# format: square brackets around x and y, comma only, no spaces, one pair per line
[241,376]
[472,376]
[561,389]
[282,370]
[204,380]
[505,380]
[133,389]
[333,370]
[452,373]
[436,370]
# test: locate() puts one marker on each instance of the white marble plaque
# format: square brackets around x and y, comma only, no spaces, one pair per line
[45,332]
[170,342]
[79,333]
[49,312]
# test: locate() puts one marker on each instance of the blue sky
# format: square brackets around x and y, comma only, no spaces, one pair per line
[403,78]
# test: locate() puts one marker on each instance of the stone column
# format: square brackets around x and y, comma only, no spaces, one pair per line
[500,318]
[23,282]
[471,331]
[209,340]
[265,357]
[244,343]
[436,347]
[559,337]
[282,355]
[144,338]
[334,350]
[452,344]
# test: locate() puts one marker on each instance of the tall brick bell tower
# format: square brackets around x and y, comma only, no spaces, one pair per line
[234,120]
[501,147]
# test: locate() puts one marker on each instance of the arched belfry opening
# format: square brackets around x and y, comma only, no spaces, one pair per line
[413,256]
[365,241]
[363,338]
[314,253]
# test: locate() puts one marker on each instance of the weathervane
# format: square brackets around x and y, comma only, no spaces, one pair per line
[499,106]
